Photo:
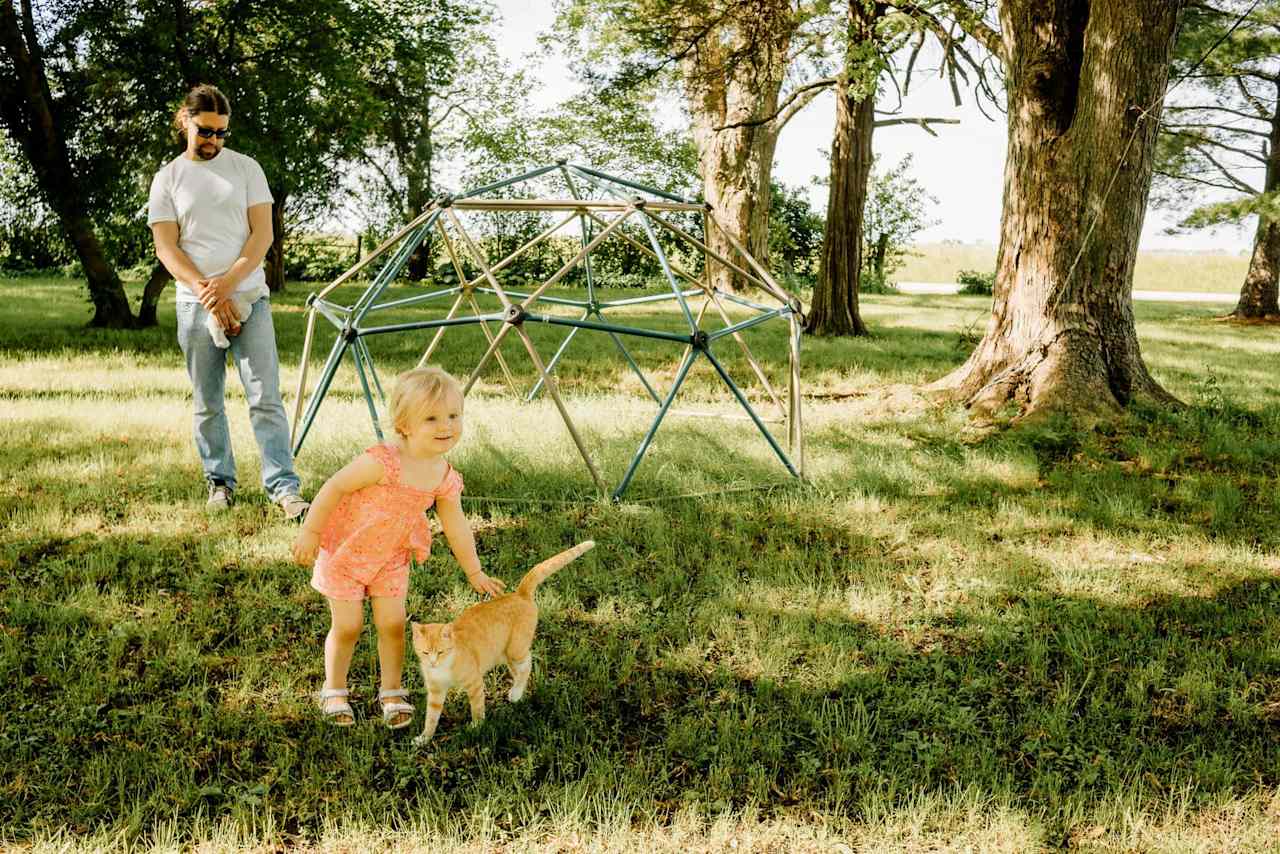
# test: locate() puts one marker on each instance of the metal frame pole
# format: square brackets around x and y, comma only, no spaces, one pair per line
[368,397]
[657,421]
[322,388]
[302,372]
[773,443]
[435,339]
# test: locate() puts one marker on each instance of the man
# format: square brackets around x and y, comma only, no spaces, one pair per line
[210,215]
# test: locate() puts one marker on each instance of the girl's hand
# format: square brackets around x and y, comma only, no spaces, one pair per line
[485,584]
[305,548]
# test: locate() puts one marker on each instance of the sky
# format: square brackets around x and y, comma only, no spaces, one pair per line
[962,167]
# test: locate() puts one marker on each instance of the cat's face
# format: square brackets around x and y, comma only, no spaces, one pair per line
[433,642]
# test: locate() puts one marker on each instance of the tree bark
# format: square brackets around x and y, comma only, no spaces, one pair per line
[28,111]
[726,83]
[1258,295]
[835,298]
[156,284]
[274,262]
[1061,337]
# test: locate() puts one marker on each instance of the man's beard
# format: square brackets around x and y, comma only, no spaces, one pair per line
[206,152]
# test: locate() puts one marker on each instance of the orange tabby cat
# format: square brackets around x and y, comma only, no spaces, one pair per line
[499,631]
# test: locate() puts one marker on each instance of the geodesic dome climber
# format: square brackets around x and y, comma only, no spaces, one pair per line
[611,209]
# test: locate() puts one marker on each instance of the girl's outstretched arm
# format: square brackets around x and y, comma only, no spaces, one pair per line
[463,545]
[363,471]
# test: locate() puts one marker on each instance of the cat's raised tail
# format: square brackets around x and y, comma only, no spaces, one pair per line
[542,571]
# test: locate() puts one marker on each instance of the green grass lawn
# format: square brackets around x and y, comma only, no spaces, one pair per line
[1154,271]
[1031,640]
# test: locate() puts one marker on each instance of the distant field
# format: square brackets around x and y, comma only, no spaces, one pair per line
[1156,271]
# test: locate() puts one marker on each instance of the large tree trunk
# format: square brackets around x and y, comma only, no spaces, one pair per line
[835,298]
[27,110]
[415,163]
[1258,295]
[274,262]
[726,84]
[156,284]
[1061,337]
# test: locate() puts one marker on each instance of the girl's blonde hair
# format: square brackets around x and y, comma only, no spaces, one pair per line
[416,390]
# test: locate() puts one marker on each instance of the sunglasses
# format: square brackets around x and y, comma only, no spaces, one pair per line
[206,133]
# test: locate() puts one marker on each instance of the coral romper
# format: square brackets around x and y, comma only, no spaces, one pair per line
[373,534]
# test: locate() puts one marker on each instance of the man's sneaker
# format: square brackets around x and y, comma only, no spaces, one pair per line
[294,506]
[220,498]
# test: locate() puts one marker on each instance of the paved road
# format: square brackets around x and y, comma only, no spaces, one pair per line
[1159,296]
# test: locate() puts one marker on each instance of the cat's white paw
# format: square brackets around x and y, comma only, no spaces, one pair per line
[421,740]
[515,694]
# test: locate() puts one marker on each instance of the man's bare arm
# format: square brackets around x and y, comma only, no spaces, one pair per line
[171,256]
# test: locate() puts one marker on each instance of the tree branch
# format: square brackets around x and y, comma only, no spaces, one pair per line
[1204,140]
[1228,128]
[1241,113]
[924,122]
[1195,180]
[795,93]
[1239,185]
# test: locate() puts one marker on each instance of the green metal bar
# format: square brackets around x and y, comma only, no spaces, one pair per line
[662,411]
[607,327]
[645,188]
[724,375]
[747,324]
[551,366]
[634,367]
[692,292]
[657,250]
[373,370]
[393,267]
[330,315]
[553,300]
[498,185]
[407,301]
[584,232]
[368,397]
[333,306]
[322,388]
[741,301]
[429,324]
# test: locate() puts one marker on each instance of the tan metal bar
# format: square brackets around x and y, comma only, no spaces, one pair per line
[386,244]
[453,258]
[502,363]
[478,257]
[302,373]
[677,230]
[751,360]
[563,205]
[706,304]
[552,386]
[435,339]
[559,274]
[675,268]
[774,288]
[797,419]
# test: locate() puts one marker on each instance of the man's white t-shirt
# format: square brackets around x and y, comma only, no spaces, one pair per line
[210,201]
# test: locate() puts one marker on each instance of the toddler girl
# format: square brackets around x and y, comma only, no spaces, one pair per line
[367,522]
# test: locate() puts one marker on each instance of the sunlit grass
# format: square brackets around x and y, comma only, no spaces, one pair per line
[1154,271]
[939,641]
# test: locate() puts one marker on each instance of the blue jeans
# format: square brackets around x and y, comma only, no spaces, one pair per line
[254,353]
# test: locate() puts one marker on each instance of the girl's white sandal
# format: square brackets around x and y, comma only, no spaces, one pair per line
[391,710]
[334,712]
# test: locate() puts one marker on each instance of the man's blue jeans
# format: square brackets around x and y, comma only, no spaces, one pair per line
[254,354]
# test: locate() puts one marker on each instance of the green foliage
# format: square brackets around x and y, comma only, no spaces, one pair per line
[974,283]
[896,210]
[1212,142]
[795,233]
